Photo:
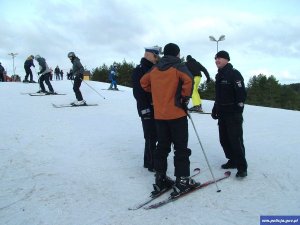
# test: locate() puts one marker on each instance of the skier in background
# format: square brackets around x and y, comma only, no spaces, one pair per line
[113,78]
[195,68]
[44,73]
[57,71]
[28,63]
[78,71]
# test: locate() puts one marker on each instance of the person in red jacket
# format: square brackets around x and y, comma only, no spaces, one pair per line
[171,86]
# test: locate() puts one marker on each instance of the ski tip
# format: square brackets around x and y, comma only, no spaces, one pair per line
[196,169]
[227,173]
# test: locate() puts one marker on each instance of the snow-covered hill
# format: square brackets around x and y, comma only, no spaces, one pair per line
[84,165]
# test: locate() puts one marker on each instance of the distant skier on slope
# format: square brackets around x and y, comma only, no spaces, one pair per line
[113,78]
[44,73]
[78,77]
[28,63]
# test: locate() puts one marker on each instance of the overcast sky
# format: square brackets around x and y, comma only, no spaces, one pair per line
[261,36]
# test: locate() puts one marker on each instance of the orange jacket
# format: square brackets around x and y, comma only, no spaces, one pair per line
[168,81]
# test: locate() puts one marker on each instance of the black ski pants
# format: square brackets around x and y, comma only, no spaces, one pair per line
[231,139]
[150,141]
[28,73]
[76,86]
[176,132]
[45,77]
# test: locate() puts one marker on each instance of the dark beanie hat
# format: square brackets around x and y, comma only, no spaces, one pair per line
[223,54]
[171,49]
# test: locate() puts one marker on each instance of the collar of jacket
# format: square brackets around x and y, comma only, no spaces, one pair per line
[146,63]
[227,67]
[167,61]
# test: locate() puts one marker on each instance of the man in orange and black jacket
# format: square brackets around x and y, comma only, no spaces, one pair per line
[171,86]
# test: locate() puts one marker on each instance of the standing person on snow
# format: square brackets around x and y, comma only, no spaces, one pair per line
[28,63]
[78,71]
[57,71]
[228,109]
[171,85]
[144,104]
[113,78]
[44,73]
[195,68]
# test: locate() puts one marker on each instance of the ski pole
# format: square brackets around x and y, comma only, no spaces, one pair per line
[189,115]
[92,88]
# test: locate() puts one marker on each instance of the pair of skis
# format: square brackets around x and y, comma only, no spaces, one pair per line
[174,198]
[71,105]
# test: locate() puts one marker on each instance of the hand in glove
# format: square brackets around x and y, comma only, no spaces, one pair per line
[214,114]
[184,103]
[208,80]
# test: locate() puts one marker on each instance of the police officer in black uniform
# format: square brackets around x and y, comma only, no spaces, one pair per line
[144,104]
[228,109]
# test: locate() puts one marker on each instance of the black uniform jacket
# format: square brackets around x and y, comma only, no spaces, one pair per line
[143,98]
[230,91]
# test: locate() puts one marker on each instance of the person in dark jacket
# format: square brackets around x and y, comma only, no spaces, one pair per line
[57,71]
[196,68]
[228,109]
[171,85]
[78,71]
[44,74]
[28,63]
[144,104]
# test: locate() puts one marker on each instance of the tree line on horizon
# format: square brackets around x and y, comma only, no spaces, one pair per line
[262,90]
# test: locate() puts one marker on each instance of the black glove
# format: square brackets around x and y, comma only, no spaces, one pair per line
[214,114]
[146,114]
[185,102]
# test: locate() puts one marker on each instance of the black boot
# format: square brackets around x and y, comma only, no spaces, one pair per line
[229,165]
[241,173]
[161,182]
[183,184]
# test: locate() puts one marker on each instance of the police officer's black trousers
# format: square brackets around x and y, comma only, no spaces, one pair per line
[150,142]
[231,139]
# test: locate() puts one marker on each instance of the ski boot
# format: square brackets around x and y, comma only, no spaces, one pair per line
[79,103]
[196,108]
[162,181]
[182,185]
